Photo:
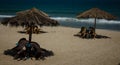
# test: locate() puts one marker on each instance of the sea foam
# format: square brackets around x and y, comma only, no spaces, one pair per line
[6,16]
[73,19]
[90,20]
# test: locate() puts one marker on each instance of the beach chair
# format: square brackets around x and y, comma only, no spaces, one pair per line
[27,30]
[82,32]
[92,32]
[36,30]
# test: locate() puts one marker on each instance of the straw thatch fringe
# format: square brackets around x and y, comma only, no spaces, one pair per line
[28,17]
[96,13]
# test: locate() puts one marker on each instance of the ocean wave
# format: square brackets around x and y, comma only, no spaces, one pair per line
[6,16]
[73,19]
[90,20]
[67,19]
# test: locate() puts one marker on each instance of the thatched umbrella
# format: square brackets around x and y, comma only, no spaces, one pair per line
[30,18]
[97,14]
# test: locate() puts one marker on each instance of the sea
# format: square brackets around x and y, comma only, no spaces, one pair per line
[65,11]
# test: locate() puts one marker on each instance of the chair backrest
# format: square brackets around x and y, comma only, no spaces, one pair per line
[93,30]
[83,30]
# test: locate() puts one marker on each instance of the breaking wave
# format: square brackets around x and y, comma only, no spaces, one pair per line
[90,20]
[6,16]
[71,19]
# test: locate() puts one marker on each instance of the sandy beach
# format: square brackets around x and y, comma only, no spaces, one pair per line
[68,49]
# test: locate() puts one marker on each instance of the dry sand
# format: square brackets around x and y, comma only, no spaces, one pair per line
[68,49]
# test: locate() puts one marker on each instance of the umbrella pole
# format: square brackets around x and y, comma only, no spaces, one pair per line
[95,23]
[30,34]
[28,45]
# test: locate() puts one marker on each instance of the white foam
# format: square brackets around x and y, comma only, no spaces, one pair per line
[6,16]
[67,19]
[90,20]
[71,19]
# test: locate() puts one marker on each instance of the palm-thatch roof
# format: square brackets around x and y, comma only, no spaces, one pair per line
[96,13]
[28,17]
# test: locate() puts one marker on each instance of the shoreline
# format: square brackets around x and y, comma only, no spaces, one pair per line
[96,29]
[76,23]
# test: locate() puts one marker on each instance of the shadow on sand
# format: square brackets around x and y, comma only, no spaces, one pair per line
[96,37]
[24,32]
[11,52]
[119,64]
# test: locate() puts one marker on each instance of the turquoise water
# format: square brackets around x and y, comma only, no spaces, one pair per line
[65,11]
